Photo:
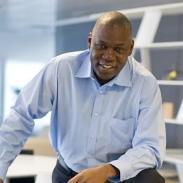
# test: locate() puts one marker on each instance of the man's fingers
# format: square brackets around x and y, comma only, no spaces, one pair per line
[76,179]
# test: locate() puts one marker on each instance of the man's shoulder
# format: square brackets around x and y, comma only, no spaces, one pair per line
[69,62]
[139,69]
[141,73]
[72,56]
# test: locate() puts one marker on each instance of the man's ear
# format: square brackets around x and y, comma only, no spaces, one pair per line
[89,39]
[131,47]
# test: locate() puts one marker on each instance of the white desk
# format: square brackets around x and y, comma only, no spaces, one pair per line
[32,165]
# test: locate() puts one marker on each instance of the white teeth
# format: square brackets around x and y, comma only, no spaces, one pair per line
[107,66]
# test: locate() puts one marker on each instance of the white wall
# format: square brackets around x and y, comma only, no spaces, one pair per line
[24,45]
[27,45]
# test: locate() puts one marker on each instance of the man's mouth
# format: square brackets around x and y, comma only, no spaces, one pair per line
[105,66]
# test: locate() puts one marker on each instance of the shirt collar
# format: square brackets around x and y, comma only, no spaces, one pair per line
[122,79]
[85,70]
[125,76]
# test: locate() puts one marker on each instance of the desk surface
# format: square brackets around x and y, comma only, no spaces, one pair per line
[31,165]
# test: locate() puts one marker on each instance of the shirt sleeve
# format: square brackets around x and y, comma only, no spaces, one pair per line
[148,144]
[34,101]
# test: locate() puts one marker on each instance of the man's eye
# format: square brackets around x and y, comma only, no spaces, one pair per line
[100,46]
[118,49]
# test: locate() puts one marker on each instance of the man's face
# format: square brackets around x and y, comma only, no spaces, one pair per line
[109,49]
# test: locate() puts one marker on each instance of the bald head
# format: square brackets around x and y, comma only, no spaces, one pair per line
[114,18]
[110,44]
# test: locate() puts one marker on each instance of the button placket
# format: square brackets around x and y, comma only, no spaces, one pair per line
[97,110]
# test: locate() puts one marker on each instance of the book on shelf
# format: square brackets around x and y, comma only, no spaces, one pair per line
[168,110]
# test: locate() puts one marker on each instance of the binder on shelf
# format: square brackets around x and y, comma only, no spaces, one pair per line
[168,110]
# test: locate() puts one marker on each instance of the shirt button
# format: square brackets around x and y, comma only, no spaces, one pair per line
[95,114]
[101,92]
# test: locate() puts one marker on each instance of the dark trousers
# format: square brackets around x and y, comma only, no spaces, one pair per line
[62,175]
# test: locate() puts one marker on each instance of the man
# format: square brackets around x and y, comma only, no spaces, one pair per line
[106,122]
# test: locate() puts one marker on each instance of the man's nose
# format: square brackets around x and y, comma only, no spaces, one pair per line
[109,54]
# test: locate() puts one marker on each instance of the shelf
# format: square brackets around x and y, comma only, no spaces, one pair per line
[163,45]
[174,156]
[170,82]
[174,121]
[168,9]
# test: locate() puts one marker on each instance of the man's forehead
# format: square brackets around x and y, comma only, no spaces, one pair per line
[112,20]
[108,23]
[105,27]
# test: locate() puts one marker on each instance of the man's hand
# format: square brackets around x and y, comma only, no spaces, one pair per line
[1,181]
[98,174]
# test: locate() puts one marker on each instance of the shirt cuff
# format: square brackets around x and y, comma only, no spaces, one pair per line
[124,168]
[114,179]
[3,171]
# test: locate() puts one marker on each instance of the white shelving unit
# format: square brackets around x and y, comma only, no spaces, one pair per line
[174,121]
[145,44]
[168,83]
[164,45]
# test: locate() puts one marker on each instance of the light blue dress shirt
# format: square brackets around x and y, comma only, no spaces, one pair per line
[120,122]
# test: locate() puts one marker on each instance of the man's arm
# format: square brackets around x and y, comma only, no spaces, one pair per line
[1,181]
[148,143]
[34,101]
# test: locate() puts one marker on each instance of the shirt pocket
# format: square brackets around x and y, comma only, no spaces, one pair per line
[121,132]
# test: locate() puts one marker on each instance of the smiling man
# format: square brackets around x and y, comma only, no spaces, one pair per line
[106,123]
[110,45]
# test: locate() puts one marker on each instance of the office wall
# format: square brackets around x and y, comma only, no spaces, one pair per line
[27,45]
[69,8]
[77,33]
[72,37]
